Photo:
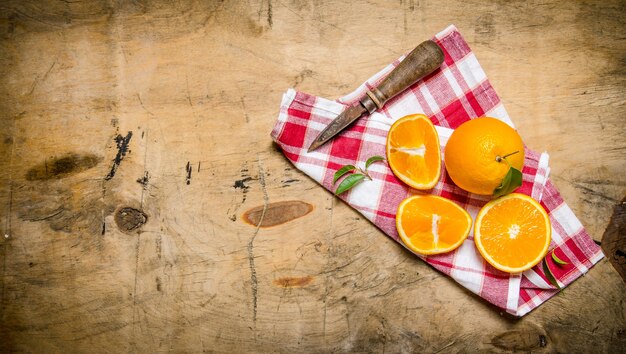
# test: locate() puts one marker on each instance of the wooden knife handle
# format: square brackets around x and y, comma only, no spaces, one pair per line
[421,61]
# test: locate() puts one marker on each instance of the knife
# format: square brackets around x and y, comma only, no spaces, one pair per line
[421,61]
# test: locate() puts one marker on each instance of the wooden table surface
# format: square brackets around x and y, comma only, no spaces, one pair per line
[135,136]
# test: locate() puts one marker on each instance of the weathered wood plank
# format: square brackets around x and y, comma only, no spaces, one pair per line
[134,139]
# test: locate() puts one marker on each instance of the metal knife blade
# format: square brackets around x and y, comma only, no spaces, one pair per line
[421,61]
[346,117]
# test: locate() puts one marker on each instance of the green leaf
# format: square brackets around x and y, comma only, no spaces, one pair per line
[549,275]
[511,181]
[342,171]
[557,259]
[373,159]
[349,182]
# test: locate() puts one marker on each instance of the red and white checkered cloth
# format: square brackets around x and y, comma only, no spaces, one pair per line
[456,92]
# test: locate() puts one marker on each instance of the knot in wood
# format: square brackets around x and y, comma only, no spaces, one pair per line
[129,219]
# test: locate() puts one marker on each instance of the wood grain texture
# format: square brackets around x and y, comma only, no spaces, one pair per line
[165,108]
[613,240]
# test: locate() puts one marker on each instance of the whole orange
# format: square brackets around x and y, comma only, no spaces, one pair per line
[480,152]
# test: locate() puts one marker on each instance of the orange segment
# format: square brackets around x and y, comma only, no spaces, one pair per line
[429,224]
[413,151]
[513,232]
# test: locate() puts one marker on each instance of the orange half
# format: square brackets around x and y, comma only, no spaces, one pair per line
[429,224]
[513,232]
[413,151]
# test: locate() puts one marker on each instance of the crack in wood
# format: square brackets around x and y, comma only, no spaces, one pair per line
[250,247]
[44,77]
[245,110]
[146,175]
[188,175]
[135,286]
[56,212]
[8,222]
[326,277]
[241,184]
[122,149]
[144,180]
[270,21]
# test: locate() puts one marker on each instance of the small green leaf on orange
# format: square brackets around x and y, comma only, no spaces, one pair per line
[511,181]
